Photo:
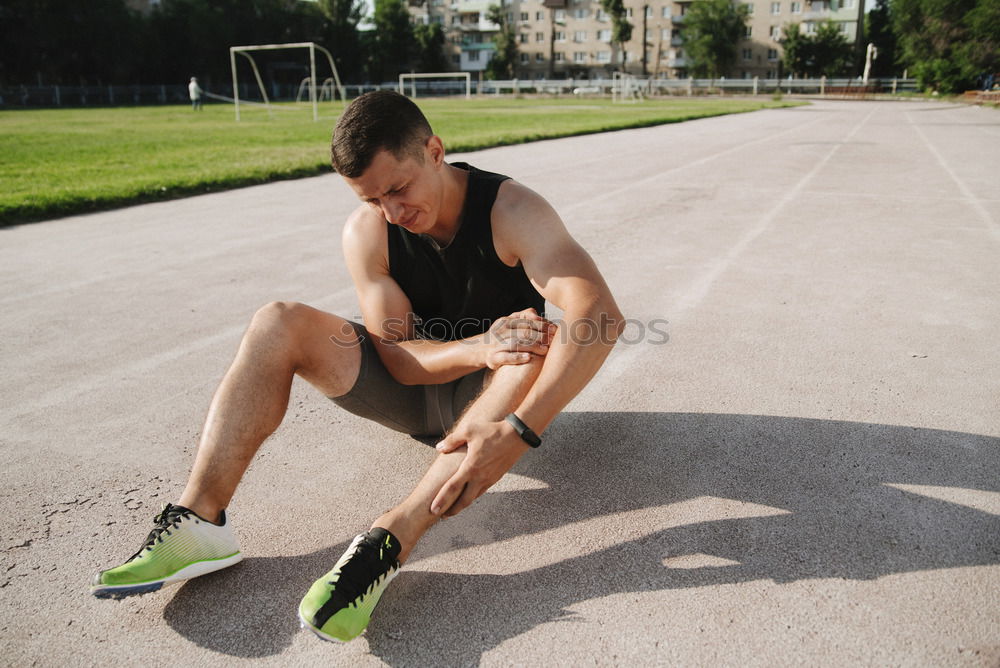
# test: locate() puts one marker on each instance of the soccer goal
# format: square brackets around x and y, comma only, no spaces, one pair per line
[245,51]
[412,78]
[625,88]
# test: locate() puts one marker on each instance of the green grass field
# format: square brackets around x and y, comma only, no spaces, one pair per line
[59,162]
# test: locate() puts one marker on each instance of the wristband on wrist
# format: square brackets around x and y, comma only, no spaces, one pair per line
[524,431]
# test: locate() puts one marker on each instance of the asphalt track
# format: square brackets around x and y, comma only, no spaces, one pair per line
[806,471]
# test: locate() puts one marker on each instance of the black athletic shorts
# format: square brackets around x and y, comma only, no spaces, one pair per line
[418,410]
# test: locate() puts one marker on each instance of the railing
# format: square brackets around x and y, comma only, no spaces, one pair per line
[83,96]
[828,87]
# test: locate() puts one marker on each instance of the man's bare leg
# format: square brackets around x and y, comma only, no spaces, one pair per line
[412,518]
[283,340]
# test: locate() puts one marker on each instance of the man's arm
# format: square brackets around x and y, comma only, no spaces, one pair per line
[388,317]
[527,229]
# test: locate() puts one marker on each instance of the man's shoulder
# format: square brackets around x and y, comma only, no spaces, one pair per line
[521,217]
[514,199]
[364,234]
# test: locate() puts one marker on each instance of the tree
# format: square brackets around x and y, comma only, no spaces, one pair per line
[878,28]
[391,41]
[826,53]
[429,39]
[621,29]
[501,66]
[711,31]
[833,55]
[797,48]
[341,35]
[947,44]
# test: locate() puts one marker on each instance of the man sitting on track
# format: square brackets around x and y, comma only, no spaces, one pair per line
[452,266]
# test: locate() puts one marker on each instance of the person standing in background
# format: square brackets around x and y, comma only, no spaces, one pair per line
[194,92]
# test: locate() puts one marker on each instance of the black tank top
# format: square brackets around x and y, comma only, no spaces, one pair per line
[459,291]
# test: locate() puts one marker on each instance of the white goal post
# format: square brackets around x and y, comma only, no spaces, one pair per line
[312,46]
[625,88]
[434,75]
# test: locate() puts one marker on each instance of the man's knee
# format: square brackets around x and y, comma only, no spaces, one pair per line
[277,318]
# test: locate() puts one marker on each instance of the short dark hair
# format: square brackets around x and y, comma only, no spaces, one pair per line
[376,121]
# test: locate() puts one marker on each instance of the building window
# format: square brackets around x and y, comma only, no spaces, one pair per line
[775,8]
[772,54]
[539,37]
[666,11]
[525,16]
[604,56]
[665,33]
[796,8]
[456,59]
[749,6]
[524,59]
[649,12]
[560,15]
[748,33]
[844,28]
[539,16]
[747,54]
[560,57]
[603,35]
[580,36]
[628,13]
[579,57]
[523,38]
[601,15]
[539,58]
[456,19]
[810,28]
[775,32]
[847,4]
[473,56]
[580,13]
[560,36]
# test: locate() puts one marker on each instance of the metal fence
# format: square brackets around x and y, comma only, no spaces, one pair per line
[12,97]
[664,87]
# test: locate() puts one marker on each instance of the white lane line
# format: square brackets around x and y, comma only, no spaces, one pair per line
[172,262]
[623,360]
[971,198]
[701,285]
[145,366]
[632,185]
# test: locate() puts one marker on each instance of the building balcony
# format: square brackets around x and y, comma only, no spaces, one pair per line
[677,18]
[470,6]
[677,62]
[478,26]
[676,41]
[478,46]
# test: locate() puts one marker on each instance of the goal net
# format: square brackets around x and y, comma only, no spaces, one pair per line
[625,88]
[436,83]
[313,87]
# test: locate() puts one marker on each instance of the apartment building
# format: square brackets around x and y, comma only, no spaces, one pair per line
[572,38]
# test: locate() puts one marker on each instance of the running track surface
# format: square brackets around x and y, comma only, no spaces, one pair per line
[792,458]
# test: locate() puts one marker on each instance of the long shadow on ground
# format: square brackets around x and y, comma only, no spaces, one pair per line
[841,519]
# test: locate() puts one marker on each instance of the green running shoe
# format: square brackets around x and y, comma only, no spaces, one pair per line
[182,545]
[339,605]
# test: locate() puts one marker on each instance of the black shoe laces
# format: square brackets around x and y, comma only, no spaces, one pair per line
[371,561]
[169,518]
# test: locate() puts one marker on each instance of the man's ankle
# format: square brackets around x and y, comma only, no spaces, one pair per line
[400,532]
[207,512]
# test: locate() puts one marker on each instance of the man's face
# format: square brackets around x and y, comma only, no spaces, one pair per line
[405,192]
